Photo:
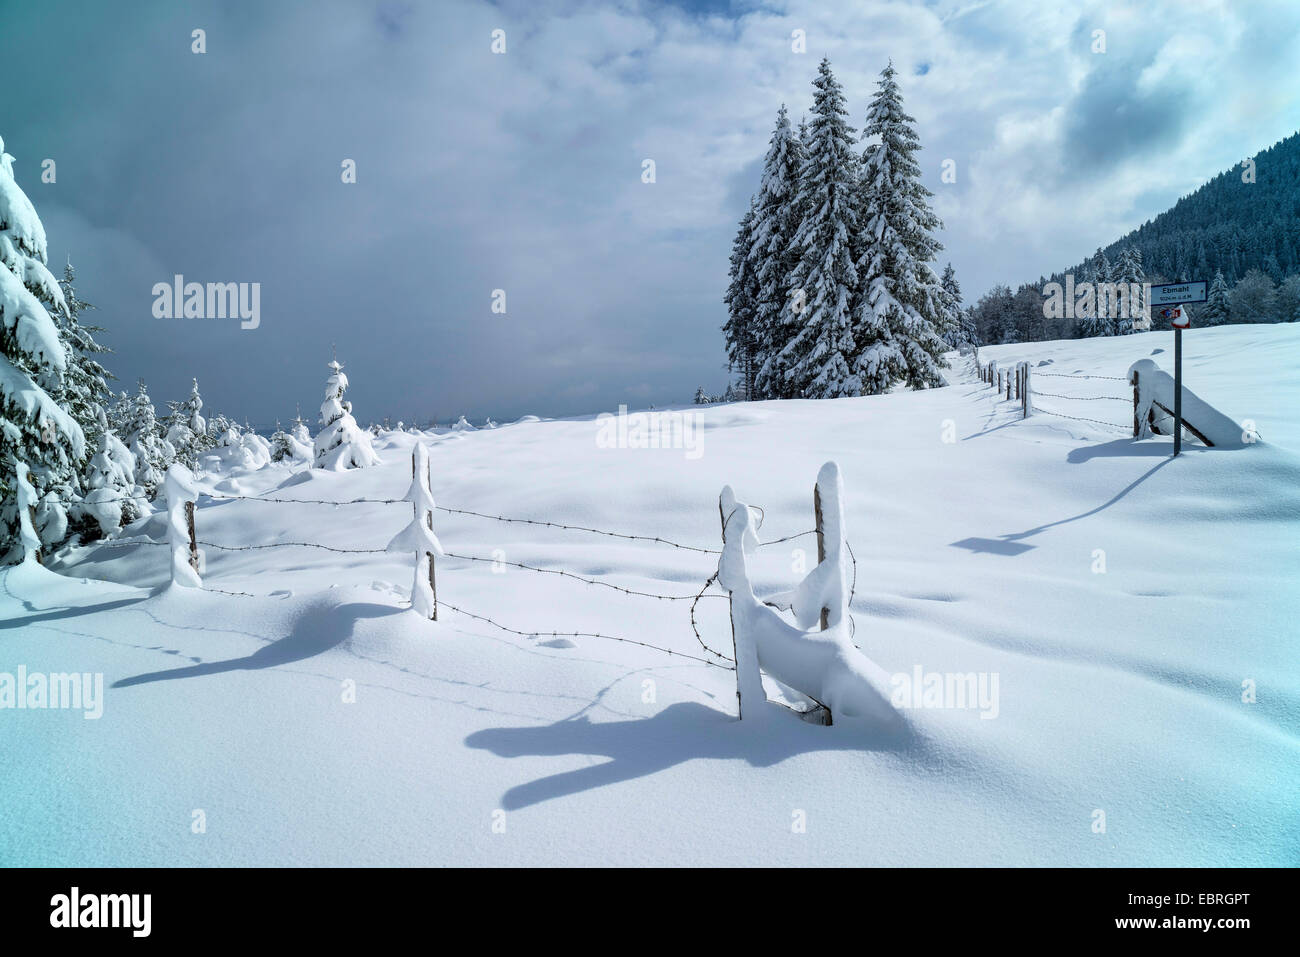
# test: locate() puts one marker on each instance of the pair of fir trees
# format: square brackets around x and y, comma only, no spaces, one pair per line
[832,291]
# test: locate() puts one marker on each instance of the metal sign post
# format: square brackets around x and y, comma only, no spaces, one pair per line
[1177,295]
[1178,389]
[1179,319]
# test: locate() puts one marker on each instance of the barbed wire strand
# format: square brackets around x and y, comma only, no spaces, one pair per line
[1061,375]
[579,528]
[328,548]
[580,634]
[566,574]
[1087,398]
[1075,418]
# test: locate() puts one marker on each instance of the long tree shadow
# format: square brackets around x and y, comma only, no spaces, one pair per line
[679,733]
[316,631]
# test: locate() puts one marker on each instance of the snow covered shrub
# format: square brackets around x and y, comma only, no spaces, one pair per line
[341,444]
[110,500]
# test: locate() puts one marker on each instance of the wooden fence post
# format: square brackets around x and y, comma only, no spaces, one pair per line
[31,512]
[1008,386]
[735,652]
[821,543]
[194,545]
[433,585]
[428,518]
[1137,429]
[1024,390]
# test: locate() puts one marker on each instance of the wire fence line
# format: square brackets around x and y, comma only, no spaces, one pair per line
[717,659]
[1075,418]
[582,634]
[1085,398]
[1061,375]
[1018,380]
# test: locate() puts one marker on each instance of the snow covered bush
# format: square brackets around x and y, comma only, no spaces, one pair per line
[112,500]
[341,443]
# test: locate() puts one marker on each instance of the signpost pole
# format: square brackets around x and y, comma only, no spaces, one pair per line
[1178,389]
[1178,295]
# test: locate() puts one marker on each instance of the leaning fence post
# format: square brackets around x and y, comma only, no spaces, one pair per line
[1136,425]
[28,540]
[821,543]
[731,576]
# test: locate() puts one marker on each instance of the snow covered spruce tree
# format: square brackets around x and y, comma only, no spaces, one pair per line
[153,454]
[953,330]
[281,444]
[1131,276]
[773,258]
[341,443]
[187,430]
[39,441]
[1098,320]
[110,501]
[85,394]
[740,331]
[1215,312]
[822,286]
[900,308]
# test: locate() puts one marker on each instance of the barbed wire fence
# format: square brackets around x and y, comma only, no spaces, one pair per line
[497,561]
[1017,383]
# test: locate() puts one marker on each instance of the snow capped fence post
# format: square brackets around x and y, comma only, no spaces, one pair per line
[821,538]
[749,682]
[178,487]
[825,665]
[418,536]
[28,540]
[1137,398]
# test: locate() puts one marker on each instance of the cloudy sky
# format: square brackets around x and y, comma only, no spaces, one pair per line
[522,171]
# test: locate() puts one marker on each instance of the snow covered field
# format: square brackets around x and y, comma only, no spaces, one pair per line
[1119,691]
